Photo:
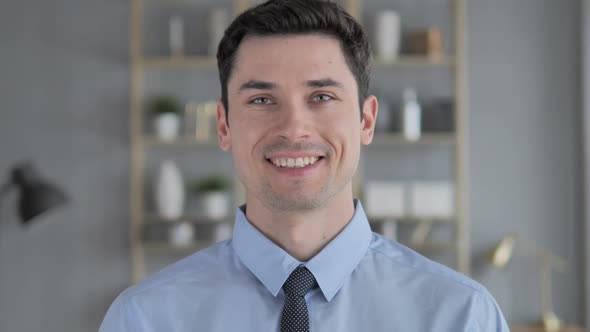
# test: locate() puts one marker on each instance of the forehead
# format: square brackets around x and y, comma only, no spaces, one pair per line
[290,57]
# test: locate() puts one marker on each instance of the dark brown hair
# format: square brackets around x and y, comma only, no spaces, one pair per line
[283,17]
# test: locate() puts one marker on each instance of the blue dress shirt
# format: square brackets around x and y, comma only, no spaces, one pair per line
[366,283]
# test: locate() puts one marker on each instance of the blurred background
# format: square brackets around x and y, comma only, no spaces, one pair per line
[110,168]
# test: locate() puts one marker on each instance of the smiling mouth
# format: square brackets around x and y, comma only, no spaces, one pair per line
[294,162]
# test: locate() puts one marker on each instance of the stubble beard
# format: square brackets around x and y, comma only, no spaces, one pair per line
[300,200]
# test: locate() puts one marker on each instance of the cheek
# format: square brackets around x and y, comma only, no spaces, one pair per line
[346,128]
[244,138]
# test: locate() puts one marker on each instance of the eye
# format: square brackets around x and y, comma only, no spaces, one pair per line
[261,101]
[322,98]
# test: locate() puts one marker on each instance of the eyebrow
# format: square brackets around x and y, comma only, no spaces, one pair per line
[326,82]
[262,85]
[257,85]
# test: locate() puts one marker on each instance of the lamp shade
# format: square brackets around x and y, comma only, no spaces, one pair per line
[36,195]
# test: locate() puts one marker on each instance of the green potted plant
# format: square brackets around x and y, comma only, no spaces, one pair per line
[213,195]
[165,111]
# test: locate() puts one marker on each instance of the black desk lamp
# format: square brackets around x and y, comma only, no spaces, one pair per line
[36,195]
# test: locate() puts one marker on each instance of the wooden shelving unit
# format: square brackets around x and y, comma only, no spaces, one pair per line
[141,144]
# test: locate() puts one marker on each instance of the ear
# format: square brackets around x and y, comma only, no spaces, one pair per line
[369,116]
[223,133]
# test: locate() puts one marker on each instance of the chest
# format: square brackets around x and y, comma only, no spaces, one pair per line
[350,310]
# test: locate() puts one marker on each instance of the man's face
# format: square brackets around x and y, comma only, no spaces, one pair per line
[294,127]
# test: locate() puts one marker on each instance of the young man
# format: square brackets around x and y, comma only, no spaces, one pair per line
[294,112]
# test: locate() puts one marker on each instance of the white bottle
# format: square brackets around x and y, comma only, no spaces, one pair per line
[169,193]
[387,35]
[219,19]
[176,36]
[412,115]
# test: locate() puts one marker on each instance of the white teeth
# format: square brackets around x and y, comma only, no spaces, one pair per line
[295,162]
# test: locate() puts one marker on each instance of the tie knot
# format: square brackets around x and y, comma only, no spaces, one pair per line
[299,282]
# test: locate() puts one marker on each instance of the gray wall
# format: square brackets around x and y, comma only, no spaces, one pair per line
[525,146]
[64,88]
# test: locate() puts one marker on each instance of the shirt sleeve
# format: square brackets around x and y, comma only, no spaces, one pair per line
[486,315]
[120,317]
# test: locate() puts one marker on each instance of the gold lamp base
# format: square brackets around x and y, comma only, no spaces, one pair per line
[551,322]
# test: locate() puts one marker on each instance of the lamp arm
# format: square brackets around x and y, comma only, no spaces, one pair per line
[551,259]
[546,284]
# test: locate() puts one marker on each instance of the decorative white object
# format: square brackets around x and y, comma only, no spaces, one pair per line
[431,199]
[218,22]
[223,231]
[182,234]
[214,204]
[169,193]
[389,229]
[176,35]
[385,199]
[412,116]
[167,126]
[205,121]
[387,35]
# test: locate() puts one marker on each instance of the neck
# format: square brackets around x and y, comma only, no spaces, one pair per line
[302,234]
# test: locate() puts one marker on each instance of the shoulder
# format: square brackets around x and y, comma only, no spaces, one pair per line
[159,296]
[401,259]
[424,282]
[192,271]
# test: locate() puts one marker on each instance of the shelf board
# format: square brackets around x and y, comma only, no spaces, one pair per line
[429,247]
[152,219]
[210,62]
[414,61]
[192,61]
[182,141]
[381,139]
[413,220]
[168,248]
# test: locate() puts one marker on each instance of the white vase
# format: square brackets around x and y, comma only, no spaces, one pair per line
[214,205]
[167,126]
[387,35]
[169,191]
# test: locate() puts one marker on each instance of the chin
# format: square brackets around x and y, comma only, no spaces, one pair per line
[288,203]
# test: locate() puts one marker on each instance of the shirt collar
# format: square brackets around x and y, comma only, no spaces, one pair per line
[331,266]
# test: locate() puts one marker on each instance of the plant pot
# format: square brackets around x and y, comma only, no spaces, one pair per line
[167,126]
[214,205]
[181,234]
[222,232]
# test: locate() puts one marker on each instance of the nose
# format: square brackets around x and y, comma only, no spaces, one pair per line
[295,122]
